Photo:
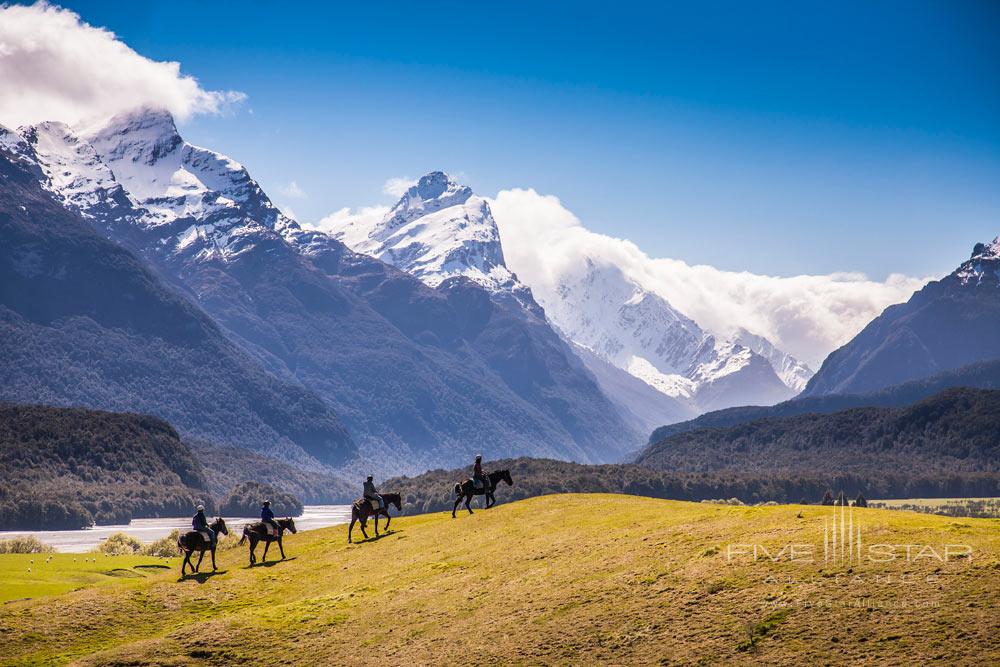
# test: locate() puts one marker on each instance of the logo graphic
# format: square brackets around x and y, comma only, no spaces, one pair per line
[841,537]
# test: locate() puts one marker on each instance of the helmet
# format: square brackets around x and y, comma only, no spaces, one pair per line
[267,503]
[201,508]
[479,457]
[371,477]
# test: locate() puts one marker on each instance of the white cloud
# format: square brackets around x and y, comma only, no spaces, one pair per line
[397,187]
[350,225]
[807,316]
[53,66]
[293,190]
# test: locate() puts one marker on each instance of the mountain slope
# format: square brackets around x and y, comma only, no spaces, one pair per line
[419,375]
[947,324]
[982,375]
[85,323]
[951,433]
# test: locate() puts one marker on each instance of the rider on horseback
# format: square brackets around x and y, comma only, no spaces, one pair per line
[200,523]
[267,516]
[372,494]
[477,472]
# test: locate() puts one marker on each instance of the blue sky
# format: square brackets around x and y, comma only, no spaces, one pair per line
[793,138]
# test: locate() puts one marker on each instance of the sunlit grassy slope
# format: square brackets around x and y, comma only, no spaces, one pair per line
[572,579]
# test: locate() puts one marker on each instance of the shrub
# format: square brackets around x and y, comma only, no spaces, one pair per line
[24,545]
[120,544]
[165,546]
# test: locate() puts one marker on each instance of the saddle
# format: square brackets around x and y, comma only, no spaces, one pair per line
[205,536]
[269,529]
[373,502]
[478,484]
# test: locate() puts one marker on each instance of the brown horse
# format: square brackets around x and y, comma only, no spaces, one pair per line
[362,509]
[192,541]
[257,532]
[468,488]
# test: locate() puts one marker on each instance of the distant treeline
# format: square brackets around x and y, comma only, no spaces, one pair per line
[245,500]
[950,435]
[434,491]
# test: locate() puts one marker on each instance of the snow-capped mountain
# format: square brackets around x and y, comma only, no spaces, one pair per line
[794,373]
[612,315]
[439,230]
[418,374]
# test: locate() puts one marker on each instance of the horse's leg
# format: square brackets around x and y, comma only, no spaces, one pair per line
[281,548]
[354,519]
[187,561]
[267,545]
[364,522]
[376,524]
[458,501]
[387,520]
[201,555]
[213,559]
[253,549]
[468,499]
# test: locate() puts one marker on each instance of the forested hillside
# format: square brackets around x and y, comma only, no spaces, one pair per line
[70,467]
[981,375]
[949,435]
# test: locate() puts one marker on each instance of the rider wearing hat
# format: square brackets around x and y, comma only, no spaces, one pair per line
[200,523]
[372,494]
[267,516]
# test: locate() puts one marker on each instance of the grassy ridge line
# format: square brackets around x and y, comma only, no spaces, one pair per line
[595,579]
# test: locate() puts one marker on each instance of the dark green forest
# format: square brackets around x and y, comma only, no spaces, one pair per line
[71,467]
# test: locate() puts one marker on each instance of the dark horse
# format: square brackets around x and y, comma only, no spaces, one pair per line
[257,532]
[362,509]
[468,488]
[192,541]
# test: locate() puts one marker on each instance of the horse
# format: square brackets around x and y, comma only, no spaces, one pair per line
[193,540]
[468,488]
[257,532]
[362,509]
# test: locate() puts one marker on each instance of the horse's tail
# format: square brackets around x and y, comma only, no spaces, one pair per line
[180,545]
[244,537]
[458,488]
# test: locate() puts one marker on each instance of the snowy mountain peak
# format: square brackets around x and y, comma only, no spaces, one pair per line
[983,267]
[439,230]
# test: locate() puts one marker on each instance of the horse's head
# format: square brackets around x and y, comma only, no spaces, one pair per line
[505,476]
[219,526]
[288,524]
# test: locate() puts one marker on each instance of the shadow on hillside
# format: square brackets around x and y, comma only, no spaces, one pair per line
[374,538]
[270,563]
[201,577]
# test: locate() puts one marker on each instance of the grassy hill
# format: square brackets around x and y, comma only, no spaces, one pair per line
[571,579]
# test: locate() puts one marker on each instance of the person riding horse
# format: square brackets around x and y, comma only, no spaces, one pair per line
[200,523]
[477,473]
[372,495]
[267,516]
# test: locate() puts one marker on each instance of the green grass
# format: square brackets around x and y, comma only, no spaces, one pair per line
[39,575]
[569,579]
